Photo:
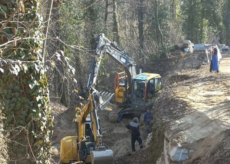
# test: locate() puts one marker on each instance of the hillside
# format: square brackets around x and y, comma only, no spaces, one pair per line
[191,119]
[198,123]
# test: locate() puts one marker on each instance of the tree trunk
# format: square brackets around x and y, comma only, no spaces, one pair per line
[173,9]
[52,46]
[202,24]
[141,30]
[79,74]
[116,36]
[106,14]
[24,98]
[158,29]
[228,24]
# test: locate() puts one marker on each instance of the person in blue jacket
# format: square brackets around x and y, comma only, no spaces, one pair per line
[147,119]
[133,126]
[214,63]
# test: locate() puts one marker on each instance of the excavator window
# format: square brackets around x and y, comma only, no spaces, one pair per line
[150,89]
[88,132]
[139,88]
[153,86]
[157,84]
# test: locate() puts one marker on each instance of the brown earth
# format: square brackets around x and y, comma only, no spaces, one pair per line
[192,112]
[189,91]
[197,115]
[115,135]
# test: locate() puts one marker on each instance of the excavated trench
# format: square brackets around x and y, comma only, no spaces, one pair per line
[188,95]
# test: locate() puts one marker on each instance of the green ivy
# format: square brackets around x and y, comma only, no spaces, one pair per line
[24,96]
[24,101]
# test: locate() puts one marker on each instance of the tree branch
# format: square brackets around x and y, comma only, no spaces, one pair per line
[11,16]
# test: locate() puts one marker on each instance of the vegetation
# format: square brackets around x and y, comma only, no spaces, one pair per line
[24,99]
[147,30]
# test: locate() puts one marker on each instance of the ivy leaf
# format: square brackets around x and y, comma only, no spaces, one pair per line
[43,71]
[3,10]
[15,69]
[67,59]
[1,70]
[24,113]
[18,106]
[58,56]
[33,83]
[52,64]
[36,68]
[38,98]
[71,69]
[75,81]
[25,68]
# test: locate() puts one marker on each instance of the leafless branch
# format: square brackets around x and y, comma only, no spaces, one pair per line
[11,16]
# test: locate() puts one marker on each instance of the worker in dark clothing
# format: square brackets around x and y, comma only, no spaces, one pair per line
[135,133]
[147,119]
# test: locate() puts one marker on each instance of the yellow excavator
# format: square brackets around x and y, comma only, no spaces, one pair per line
[133,95]
[87,146]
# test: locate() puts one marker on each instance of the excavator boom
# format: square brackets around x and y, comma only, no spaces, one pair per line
[132,93]
[103,44]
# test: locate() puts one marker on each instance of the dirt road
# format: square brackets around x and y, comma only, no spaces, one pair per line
[225,64]
[201,136]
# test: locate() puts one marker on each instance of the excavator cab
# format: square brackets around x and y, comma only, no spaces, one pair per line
[137,98]
[145,87]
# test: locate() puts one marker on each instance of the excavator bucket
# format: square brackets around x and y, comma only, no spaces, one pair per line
[102,157]
[104,99]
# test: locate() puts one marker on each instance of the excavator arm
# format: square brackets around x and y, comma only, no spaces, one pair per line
[90,148]
[90,109]
[86,147]
[104,45]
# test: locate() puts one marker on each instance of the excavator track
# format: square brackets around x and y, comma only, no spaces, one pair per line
[117,113]
[113,115]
